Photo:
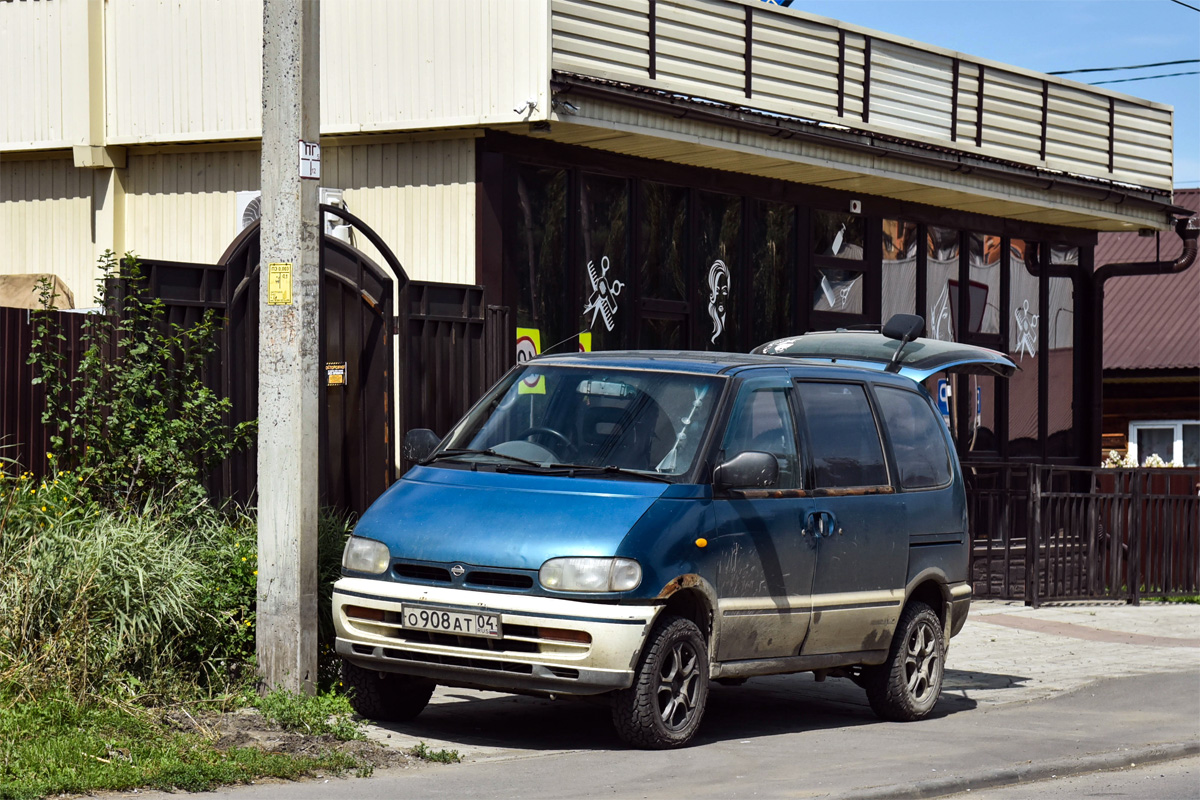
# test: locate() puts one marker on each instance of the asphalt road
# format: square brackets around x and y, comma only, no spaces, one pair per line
[1171,780]
[1029,694]
[780,738]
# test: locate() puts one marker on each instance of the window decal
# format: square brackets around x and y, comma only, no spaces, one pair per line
[718,294]
[602,301]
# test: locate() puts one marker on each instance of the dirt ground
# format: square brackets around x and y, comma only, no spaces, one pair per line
[248,728]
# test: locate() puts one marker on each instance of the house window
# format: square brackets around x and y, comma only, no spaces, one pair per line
[1174,441]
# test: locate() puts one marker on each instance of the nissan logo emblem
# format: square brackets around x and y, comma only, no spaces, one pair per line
[457,570]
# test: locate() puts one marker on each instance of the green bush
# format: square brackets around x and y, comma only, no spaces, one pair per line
[326,712]
[137,412]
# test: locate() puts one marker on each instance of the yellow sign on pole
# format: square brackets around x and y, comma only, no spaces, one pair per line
[279,286]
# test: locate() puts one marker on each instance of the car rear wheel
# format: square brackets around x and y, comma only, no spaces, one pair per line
[383,696]
[664,706]
[907,685]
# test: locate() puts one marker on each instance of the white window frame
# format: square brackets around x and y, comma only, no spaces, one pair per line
[1176,424]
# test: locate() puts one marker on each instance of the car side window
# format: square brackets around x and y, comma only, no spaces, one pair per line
[762,420]
[842,435]
[921,456]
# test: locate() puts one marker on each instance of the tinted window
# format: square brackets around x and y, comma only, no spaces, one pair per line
[842,435]
[762,421]
[917,441]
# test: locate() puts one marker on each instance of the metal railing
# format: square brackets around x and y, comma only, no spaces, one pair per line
[1043,533]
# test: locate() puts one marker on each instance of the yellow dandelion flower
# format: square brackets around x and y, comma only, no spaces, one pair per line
[255,572]
[243,558]
[43,508]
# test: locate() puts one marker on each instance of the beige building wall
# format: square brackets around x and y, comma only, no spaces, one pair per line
[46,221]
[180,204]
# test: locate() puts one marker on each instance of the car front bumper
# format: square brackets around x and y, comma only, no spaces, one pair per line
[548,645]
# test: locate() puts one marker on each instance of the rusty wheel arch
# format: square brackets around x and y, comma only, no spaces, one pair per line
[691,597]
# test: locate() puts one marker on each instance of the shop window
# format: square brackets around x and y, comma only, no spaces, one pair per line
[772,258]
[839,290]
[537,255]
[1024,342]
[718,259]
[941,282]
[604,261]
[839,235]
[899,252]
[1060,355]
[842,436]
[662,240]
[983,296]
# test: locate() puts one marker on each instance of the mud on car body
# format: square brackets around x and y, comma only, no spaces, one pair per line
[636,524]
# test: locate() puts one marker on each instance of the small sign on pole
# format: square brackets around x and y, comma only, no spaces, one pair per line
[310,160]
[279,286]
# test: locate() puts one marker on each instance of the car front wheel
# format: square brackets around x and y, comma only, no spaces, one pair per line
[385,697]
[907,685]
[664,706]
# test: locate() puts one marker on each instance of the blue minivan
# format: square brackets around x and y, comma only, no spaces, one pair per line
[637,524]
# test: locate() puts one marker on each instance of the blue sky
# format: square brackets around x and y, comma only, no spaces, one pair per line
[1049,35]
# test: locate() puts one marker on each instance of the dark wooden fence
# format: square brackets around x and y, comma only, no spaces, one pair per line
[1045,533]
[24,438]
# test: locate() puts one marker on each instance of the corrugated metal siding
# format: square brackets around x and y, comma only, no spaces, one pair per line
[419,196]
[911,90]
[181,206]
[43,58]
[406,64]
[183,71]
[610,40]
[793,69]
[46,222]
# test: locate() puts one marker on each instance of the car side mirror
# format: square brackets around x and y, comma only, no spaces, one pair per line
[752,469]
[419,444]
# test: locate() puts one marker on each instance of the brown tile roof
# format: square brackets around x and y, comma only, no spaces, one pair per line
[1152,321]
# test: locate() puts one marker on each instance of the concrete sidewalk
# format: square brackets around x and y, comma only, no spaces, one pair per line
[1006,653]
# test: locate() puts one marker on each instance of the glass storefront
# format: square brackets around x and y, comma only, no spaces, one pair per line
[621,260]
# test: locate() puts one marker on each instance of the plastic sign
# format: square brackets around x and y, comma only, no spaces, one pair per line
[279,283]
[335,373]
[943,399]
[529,344]
[310,160]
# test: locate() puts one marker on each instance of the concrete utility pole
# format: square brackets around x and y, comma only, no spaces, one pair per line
[288,346]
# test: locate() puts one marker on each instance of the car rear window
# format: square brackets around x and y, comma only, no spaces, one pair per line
[842,436]
[921,456]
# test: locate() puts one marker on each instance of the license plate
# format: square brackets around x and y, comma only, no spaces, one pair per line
[471,623]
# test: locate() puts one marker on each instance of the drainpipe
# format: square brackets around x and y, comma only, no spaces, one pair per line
[1188,230]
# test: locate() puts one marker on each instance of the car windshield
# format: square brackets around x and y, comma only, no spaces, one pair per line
[588,417]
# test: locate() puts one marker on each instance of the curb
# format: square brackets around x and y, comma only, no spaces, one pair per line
[1027,773]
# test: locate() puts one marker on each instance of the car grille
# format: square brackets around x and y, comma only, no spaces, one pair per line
[487,579]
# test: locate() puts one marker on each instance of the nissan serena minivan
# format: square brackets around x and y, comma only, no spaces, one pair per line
[637,524]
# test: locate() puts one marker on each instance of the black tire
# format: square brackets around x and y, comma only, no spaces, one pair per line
[664,706]
[906,686]
[383,696]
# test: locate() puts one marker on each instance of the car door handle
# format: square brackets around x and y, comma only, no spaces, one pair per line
[821,523]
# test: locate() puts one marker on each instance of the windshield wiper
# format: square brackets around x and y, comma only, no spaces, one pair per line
[461,452]
[587,469]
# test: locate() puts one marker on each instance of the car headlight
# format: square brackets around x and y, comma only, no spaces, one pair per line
[365,555]
[583,574]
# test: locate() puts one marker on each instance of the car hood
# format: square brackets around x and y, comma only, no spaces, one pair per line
[504,519]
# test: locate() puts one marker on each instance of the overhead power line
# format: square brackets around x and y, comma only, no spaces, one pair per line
[1147,77]
[1185,5]
[1135,66]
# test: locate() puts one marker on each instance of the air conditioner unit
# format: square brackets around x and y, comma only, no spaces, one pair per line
[249,208]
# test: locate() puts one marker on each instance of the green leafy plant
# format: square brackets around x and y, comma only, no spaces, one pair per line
[326,712]
[423,752]
[137,411]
